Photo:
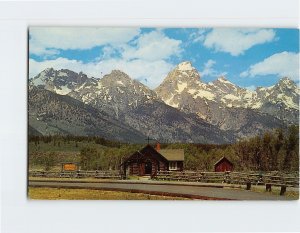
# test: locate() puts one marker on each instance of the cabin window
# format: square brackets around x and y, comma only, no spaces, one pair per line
[173,166]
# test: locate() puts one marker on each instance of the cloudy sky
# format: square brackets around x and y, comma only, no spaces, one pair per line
[247,57]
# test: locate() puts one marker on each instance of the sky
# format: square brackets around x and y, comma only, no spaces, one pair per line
[248,57]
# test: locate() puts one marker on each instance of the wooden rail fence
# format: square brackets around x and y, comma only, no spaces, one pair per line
[230,178]
[242,178]
[77,174]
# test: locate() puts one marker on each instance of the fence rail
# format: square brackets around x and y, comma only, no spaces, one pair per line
[230,178]
[77,174]
[189,176]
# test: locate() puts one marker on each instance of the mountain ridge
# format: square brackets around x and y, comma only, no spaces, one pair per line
[227,94]
[186,104]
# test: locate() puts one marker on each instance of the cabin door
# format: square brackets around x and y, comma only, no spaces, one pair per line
[148,168]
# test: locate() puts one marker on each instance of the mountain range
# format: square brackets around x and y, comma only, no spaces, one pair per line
[181,109]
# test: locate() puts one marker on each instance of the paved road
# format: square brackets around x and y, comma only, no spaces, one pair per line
[195,192]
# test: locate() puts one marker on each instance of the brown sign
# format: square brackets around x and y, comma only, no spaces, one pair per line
[69,167]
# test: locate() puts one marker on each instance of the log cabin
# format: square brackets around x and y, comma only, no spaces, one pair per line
[149,160]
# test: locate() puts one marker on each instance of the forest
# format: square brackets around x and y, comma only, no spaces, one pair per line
[276,150]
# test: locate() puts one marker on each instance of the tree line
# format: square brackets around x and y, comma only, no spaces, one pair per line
[275,150]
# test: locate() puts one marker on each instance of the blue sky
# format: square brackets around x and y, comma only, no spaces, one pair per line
[248,57]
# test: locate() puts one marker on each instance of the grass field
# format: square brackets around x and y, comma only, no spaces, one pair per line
[291,192]
[87,194]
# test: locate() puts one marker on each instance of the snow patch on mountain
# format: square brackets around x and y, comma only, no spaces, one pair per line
[223,80]
[38,81]
[204,94]
[121,83]
[181,86]
[63,90]
[62,74]
[184,66]
[230,97]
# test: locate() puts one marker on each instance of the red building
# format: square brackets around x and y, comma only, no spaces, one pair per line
[223,165]
[148,161]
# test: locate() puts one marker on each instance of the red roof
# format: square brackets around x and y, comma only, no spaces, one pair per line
[221,160]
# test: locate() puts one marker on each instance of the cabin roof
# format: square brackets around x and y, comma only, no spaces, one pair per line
[165,154]
[221,159]
[141,153]
[173,154]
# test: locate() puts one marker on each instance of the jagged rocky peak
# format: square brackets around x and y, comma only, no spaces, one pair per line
[62,75]
[183,81]
[224,85]
[183,72]
[48,71]
[223,81]
[117,77]
[183,76]
[61,81]
[185,66]
[43,76]
[286,82]
[119,88]
[285,86]
[186,70]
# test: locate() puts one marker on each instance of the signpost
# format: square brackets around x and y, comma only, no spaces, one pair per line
[70,166]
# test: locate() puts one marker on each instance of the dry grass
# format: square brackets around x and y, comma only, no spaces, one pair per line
[87,194]
[292,193]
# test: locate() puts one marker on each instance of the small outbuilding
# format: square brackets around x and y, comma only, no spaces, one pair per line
[223,165]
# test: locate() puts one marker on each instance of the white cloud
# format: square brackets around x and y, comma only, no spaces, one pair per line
[143,58]
[43,39]
[237,41]
[42,51]
[35,67]
[198,35]
[152,46]
[154,72]
[208,69]
[280,64]
[151,73]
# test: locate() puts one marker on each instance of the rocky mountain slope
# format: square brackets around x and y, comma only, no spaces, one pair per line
[59,81]
[281,100]
[230,107]
[116,92]
[50,113]
[131,103]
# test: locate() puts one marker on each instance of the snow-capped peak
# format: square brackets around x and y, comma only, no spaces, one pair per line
[223,79]
[287,82]
[224,85]
[185,66]
[49,69]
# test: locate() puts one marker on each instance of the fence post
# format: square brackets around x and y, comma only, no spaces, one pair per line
[226,178]
[268,187]
[282,190]
[248,185]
